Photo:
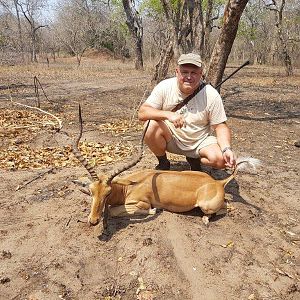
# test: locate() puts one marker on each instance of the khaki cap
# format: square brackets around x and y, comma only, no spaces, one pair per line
[190,58]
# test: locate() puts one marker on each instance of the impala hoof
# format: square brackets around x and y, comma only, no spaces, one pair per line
[205,220]
[152,211]
[93,221]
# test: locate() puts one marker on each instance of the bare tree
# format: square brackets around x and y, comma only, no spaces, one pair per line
[73,28]
[134,23]
[207,19]
[190,25]
[181,23]
[30,9]
[221,51]
[11,8]
[21,43]
[175,15]
[161,68]
[285,56]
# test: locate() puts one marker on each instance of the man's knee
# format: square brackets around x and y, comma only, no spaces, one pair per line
[212,156]
[218,162]
[155,131]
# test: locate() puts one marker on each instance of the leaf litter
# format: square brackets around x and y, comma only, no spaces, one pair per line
[22,126]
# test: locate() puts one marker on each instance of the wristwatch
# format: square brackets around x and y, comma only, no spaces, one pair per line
[225,149]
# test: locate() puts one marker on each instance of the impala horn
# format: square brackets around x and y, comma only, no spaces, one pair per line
[77,153]
[134,162]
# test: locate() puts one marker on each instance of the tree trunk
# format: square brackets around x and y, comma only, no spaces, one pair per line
[33,46]
[174,18]
[221,51]
[135,27]
[285,56]
[19,31]
[161,68]
[200,33]
[207,29]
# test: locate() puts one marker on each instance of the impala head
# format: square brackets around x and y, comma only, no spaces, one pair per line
[102,184]
[100,190]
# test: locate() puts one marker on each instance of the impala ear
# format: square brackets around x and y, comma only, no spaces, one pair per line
[123,181]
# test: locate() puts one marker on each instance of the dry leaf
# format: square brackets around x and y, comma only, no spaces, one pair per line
[228,245]
[230,207]
[141,285]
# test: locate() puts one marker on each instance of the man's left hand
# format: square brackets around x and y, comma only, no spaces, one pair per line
[229,158]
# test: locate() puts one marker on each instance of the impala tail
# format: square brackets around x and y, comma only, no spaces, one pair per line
[243,163]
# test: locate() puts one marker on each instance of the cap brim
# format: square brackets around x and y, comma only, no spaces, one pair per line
[192,62]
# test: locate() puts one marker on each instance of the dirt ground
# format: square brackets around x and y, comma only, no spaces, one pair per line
[47,249]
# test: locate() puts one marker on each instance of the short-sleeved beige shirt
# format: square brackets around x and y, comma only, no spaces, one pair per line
[204,110]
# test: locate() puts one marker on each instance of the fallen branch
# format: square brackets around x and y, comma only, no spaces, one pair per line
[284,273]
[43,111]
[19,187]
[30,126]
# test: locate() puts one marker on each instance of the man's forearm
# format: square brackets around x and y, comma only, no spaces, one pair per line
[223,134]
[151,113]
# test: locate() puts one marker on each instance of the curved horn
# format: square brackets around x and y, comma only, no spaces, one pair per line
[77,153]
[135,161]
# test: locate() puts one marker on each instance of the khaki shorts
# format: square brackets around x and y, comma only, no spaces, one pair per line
[172,146]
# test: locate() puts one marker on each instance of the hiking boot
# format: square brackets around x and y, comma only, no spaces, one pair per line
[163,163]
[165,166]
[194,163]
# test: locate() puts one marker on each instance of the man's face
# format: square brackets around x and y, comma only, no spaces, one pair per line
[188,77]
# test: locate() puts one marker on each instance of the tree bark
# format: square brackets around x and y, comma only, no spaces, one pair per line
[19,31]
[285,56]
[161,68]
[207,29]
[221,51]
[135,27]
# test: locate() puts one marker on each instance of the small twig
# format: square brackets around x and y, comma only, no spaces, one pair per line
[19,187]
[67,224]
[80,221]
[36,80]
[36,89]
[40,110]
[85,191]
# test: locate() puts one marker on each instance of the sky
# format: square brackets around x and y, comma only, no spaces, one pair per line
[49,12]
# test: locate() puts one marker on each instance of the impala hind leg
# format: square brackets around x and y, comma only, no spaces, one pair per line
[207,216]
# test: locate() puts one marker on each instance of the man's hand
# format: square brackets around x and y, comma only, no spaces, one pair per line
[177,119]
[229,158]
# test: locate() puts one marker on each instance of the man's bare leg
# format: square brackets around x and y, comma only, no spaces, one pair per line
[157,137]
[212,156]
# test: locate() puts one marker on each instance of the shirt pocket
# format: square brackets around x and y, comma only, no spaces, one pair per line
[199,118]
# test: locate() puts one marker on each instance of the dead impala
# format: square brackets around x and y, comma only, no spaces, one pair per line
[143,191]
